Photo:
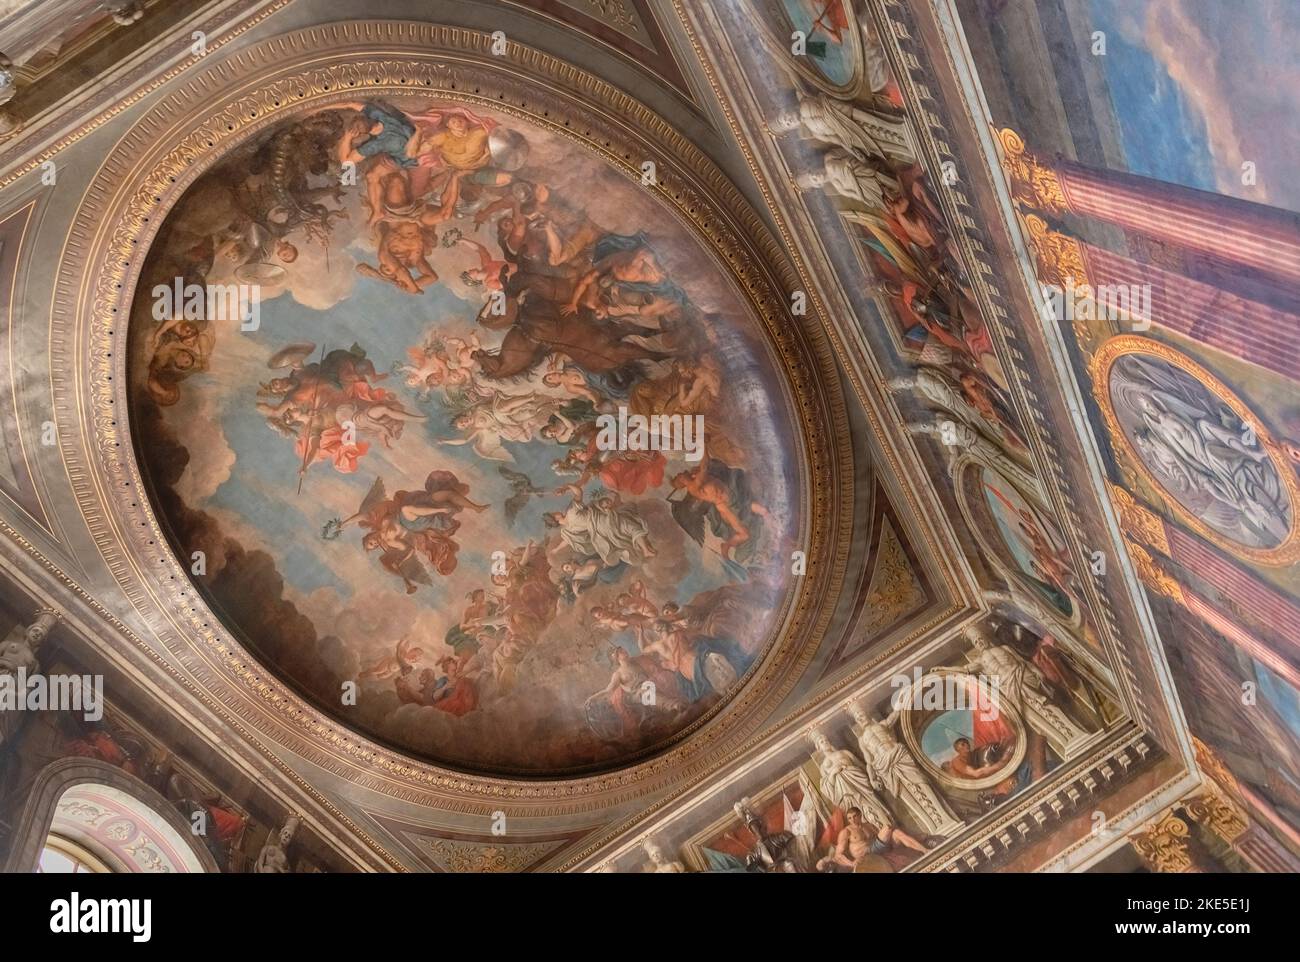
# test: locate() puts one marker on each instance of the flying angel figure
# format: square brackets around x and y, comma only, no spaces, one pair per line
[524,489]
[389,666]
[410,526]
[441,361]
[715,498]
[503,417]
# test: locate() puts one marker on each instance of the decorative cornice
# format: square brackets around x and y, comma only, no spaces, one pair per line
[916,79]
[1029,820]
[120,633]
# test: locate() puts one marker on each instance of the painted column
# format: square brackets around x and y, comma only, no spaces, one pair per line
[1258,333]
[1259,601]
[1263,238]
[1156,579]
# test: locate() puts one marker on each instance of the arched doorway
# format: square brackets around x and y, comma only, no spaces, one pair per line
[87,816]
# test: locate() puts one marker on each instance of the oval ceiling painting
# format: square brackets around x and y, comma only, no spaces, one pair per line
[465,436]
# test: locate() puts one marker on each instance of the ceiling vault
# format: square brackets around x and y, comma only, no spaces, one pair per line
[652,435]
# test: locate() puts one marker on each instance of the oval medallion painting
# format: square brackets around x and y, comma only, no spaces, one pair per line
[1201,451]
[458,413]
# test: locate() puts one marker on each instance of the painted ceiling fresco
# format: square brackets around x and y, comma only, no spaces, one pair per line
[473,435]
[398,475]
[877,785]
[1166,198]
[1190,384]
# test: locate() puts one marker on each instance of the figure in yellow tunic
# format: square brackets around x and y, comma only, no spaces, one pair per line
[452,142]
[457,143]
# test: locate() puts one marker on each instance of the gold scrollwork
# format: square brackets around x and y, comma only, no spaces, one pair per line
[1033,184]
[1152,575]
[1058,257]
[1219,815]
[1163,846]
[468,857]
[1138,518]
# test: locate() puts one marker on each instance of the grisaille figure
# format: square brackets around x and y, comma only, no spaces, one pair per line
[1201,450]
[867,135]
[875,63]
[1024,688]
[846,784]
[274,857]
[865,183]
[893,770]
[958,435]
[659,862]
[18,653]
[963,396]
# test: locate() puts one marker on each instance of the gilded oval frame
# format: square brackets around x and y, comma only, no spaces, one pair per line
[969,471]
[145,173]
[915,717]
[1099,367]
[776,18]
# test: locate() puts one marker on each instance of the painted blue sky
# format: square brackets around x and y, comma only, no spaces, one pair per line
[1163,135]
[1278,693]
[1202,86]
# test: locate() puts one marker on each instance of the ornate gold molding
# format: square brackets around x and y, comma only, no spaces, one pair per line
[1212,766]
[1033,184]
[1152,575]
[1058,258]
[1219,815]
[1220,807]
[214,42]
